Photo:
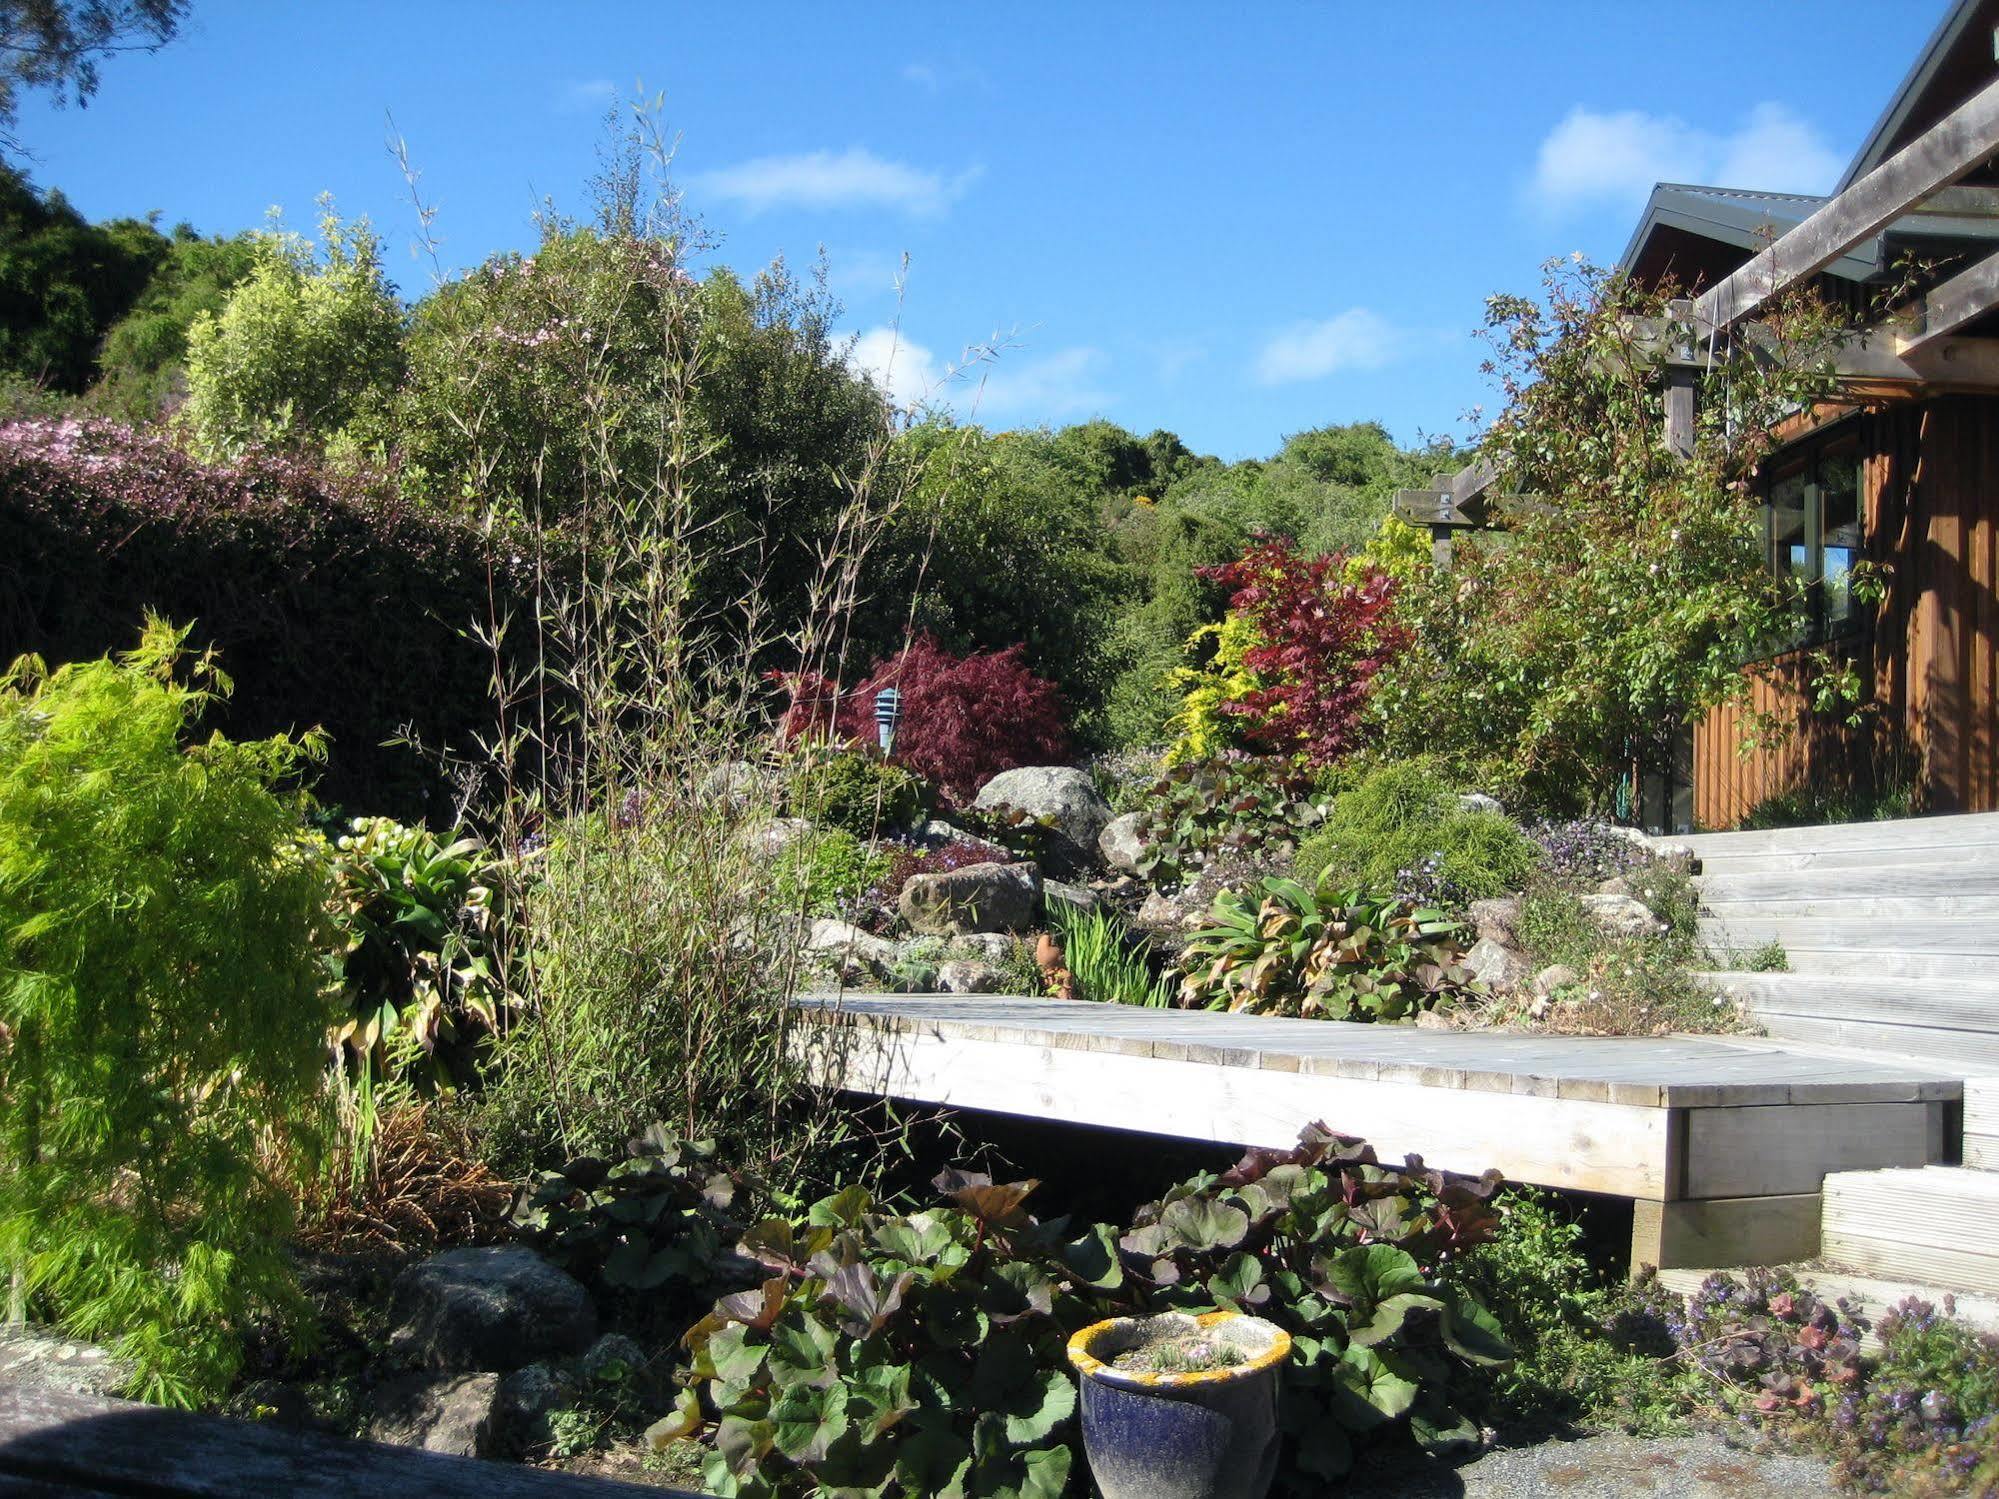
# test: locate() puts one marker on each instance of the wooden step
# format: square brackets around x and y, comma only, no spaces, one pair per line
[1891,912]
[1871,1295]
[1913,1042]
[1963,1005]
[1934,1224]
[1976,935]
[1963,856]
[1903,832]
[1953,880]
[1981,1124]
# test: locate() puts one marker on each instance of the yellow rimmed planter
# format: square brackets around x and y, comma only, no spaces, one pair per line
[1195,1434]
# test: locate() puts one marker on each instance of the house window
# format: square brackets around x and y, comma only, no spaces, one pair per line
[1812,536]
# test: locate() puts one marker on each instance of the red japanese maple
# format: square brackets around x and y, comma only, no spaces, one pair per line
[1322,639]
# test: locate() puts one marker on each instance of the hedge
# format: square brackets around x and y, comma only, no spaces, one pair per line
[331,601]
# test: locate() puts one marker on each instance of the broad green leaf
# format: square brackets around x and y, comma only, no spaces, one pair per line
[1239,1283]
[1204,1223]
[1389,1317]
[1472,1332]
[1367,1391]
[934,1462]
[845,1209]
[806,1421]
[1040,1407]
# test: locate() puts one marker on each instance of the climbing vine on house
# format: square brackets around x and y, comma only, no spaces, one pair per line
[1623,598]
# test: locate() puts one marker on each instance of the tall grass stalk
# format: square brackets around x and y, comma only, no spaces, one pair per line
[1107,965]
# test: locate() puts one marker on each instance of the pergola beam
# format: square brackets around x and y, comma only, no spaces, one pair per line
[1967,296]
[1934,160]
[1870,359]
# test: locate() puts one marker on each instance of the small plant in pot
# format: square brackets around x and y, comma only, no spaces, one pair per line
[1181,1406]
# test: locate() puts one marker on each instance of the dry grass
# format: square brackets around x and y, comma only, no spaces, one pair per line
[424,1190]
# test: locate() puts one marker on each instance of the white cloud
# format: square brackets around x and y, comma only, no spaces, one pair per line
[854,178]
[597,93]
[908,373]
[1357,339]
[1613,159]
[924,75]
[1002,387]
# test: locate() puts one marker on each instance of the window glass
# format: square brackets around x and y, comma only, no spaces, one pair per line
[1790,542]
[1839,507]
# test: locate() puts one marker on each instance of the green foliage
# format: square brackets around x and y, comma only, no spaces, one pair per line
[1201,728]
[306,350]
[1816,805]
[1346,955]
[1630,986]
[1201,810]
[649,1233]
[160,919]
[1402,819]
[1769,957]
[1622,605]
[858,792]
[64,281]
[925,1354]
[1104,961]
[420,953]
[56,44]
[1586,1355]
[827,873]
[142,362]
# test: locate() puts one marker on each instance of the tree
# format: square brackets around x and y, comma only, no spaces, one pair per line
[308,348]
[142,362]
[56,45]
[164,1006]
[63,282]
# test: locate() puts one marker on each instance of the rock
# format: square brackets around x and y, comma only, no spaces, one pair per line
[968,976]
[1119,844]
[492,1308]
[1540,1008]
[447,1413]
[1063,799]
[1478,801]
[844,938]
[1054,892]
[990,947]
[1622,916]
[39,1356]
[613,1356]
[1433,1020]
[734,781]
[782,834]
[1497,919]
[977,898]
[1615,885]
[1496,966]
[937,833]
[521,1407]
[1169,919]
[1554,977]
[1678,857]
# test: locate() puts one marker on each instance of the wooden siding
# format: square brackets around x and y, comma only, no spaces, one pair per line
[1930,488]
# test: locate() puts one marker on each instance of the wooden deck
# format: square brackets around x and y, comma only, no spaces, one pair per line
[1721,1141]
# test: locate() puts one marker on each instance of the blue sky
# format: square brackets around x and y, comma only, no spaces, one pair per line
[1235,222]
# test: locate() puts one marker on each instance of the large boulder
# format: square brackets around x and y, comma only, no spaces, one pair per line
[936,833]
[1622,915]
[969,976]
[1059,797]
[498,1307]
[447,1413]
[1078,898]
[843,938]
[1497,919]
[977,898]
[1119,844]
[1497,966]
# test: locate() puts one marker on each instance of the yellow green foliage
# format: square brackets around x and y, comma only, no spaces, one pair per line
[1200,729]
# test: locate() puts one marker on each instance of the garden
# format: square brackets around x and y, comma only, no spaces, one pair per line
[446,735]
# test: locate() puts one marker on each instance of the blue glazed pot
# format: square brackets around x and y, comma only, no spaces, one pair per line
[1209,1434]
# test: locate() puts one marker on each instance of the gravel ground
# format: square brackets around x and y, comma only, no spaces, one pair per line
[1602,1467]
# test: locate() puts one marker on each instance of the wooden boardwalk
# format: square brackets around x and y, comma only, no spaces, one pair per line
[1721,1141]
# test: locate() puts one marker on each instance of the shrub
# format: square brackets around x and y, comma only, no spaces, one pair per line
[830,873]
[1402,817]
[420,956]
[160,986]
[331,601]
[1629,986]
[1322,955]
[964,719]
[307,347]
[858,792]
[1300,651]
[1586,851]
[925,1354]
[1235,804]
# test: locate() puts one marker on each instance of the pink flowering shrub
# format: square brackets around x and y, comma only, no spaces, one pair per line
[332,601]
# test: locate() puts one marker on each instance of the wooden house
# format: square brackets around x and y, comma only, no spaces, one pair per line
[1902,468]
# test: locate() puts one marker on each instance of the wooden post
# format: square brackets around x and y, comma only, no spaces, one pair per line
[1680,412]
